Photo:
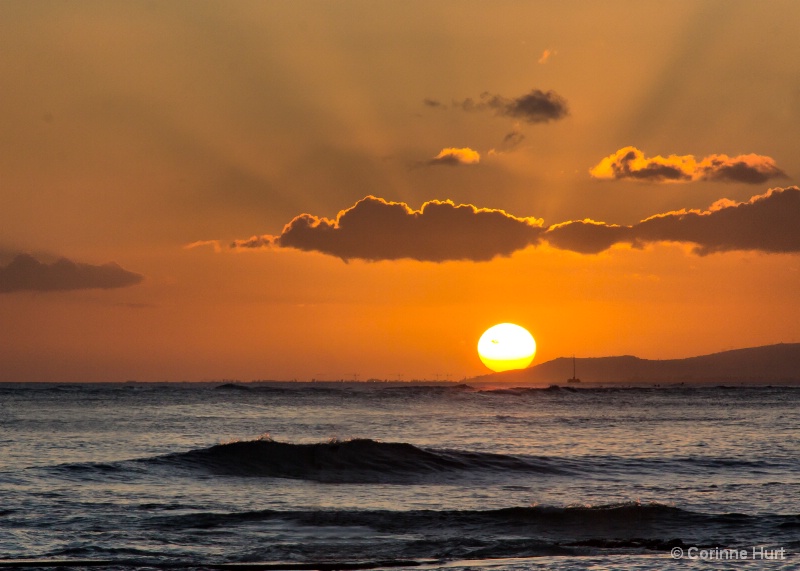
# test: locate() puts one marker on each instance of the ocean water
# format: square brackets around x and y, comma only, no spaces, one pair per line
[377,475]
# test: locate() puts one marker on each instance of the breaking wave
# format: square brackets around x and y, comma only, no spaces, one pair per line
[371,461]
[358,460]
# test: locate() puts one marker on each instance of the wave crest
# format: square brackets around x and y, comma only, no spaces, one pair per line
[357,460]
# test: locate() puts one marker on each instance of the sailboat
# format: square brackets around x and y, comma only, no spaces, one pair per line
[574,379]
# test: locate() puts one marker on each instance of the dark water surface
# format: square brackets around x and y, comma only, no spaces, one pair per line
[373,474]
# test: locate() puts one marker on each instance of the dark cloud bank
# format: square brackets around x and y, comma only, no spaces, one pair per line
[26,273]
[537,106]
[375,229]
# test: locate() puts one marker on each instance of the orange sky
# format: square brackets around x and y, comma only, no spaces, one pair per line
[131,130]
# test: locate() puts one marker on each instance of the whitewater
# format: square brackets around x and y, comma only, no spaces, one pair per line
[381,475]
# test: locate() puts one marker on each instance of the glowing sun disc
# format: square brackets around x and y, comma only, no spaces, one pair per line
[506,346]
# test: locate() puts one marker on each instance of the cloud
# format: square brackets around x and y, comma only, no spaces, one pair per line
[765,223]
[630,163]
[434,103]
[751,169]
[534,107]
[546,55]
[258,242]
[200,243]
[456,157]
[510,142]
[513,139]
[375,229]
[586,236]
[26,273]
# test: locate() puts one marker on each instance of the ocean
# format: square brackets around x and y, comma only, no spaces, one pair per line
[380,475]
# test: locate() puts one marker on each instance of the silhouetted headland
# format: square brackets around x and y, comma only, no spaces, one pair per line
[768,364]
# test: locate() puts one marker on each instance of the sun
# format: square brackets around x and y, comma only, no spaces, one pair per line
[506,346]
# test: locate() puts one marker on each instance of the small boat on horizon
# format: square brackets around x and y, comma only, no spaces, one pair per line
[574,379]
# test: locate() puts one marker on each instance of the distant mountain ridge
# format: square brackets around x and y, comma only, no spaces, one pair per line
[767,364]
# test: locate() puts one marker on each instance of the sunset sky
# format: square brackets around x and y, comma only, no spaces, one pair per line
[339,190]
